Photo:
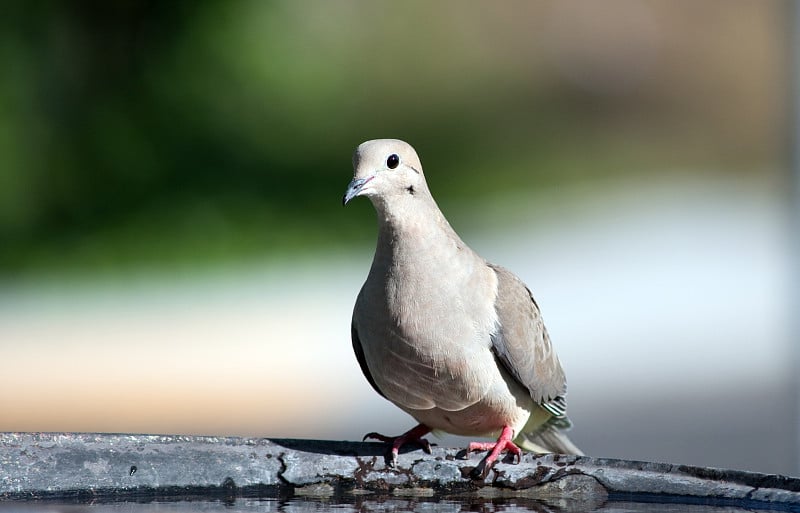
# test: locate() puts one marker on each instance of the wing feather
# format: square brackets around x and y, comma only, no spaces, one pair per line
[523,346]
[362,362]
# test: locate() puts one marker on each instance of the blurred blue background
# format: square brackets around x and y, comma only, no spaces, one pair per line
[174,256]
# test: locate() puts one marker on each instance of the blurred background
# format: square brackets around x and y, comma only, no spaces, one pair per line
[174,257]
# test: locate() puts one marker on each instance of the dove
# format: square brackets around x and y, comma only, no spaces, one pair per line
[453,340]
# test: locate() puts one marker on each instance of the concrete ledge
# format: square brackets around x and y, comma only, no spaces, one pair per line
[91,467]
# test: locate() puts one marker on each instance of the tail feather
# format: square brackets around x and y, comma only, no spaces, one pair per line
[550,438]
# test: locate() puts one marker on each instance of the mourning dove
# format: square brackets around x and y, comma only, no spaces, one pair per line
[451,339]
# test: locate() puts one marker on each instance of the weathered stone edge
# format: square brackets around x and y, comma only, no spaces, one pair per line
[88,466]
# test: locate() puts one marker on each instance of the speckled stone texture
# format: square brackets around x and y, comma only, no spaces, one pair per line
[70,466]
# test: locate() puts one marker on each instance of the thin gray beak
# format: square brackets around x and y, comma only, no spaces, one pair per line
[354,188]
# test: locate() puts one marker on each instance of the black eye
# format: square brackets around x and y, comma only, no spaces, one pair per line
[392,161]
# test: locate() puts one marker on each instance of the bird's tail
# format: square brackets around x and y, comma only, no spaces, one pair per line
[548,438]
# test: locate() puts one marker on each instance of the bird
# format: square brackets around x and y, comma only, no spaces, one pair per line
[453,340]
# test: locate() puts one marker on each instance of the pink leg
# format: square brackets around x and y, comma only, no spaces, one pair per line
[503,443]
[412,436]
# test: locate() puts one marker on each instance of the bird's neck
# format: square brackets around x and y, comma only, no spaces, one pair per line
[414,228]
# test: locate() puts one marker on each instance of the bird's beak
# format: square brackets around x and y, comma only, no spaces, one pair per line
[354,188]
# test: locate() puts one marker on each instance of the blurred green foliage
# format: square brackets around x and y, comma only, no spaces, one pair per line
[163,134]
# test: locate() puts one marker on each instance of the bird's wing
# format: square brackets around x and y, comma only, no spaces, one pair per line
[523,346]
[362,362]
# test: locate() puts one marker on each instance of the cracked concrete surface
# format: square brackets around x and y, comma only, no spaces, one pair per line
[69,466]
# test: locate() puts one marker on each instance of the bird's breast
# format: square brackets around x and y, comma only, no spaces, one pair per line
[428,341]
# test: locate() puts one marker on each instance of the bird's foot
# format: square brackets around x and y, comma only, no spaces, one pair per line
[503,443]
[412,436]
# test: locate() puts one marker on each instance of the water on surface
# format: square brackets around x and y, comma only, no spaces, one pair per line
[421,505]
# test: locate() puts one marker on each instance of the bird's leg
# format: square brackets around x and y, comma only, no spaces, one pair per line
[411,436]
[503,443]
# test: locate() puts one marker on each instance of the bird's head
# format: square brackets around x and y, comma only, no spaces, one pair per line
[385,169]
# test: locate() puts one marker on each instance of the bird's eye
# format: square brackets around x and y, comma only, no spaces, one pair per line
[392,161]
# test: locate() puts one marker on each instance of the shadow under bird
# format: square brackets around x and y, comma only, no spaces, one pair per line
[453,340]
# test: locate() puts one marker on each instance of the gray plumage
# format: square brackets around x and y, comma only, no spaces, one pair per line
[455,341]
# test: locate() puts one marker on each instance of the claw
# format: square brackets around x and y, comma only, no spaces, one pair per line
[412,436]
[503,443]
[377,436]
[426,445]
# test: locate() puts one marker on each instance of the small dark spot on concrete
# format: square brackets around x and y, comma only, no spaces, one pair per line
[466,472]
[229,486]
[479,472]
[558,474]
[229,491]
[539,474]
[525,483]
[510,457]
[133,470]
[410,189]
